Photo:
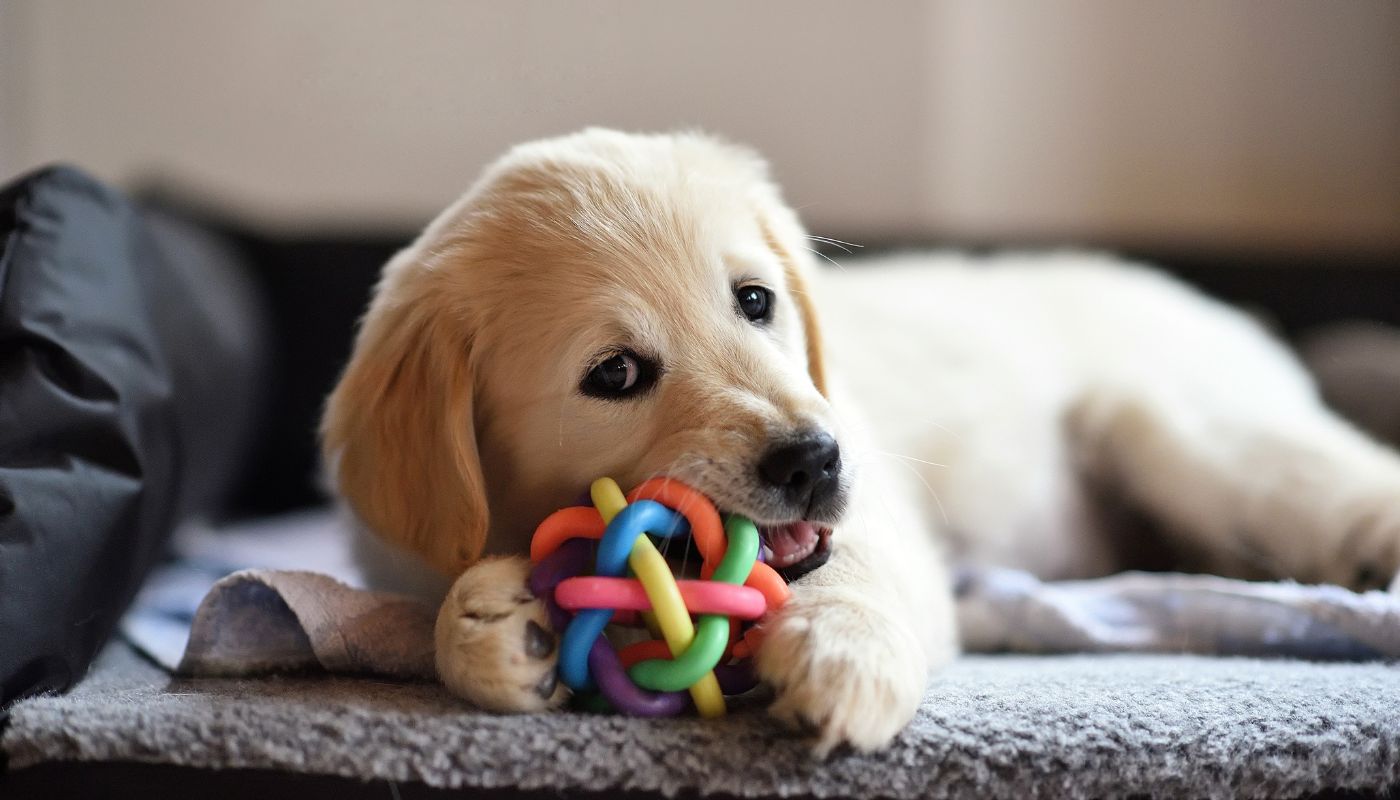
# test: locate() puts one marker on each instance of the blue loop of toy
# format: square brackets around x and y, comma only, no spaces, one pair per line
[643,516]
[578,638]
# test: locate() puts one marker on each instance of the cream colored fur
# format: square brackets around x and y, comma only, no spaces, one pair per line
[982,407]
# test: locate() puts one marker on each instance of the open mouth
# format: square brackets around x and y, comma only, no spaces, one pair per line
[795,548]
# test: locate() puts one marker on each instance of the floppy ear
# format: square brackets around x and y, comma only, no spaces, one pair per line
[806,309]
[398,428]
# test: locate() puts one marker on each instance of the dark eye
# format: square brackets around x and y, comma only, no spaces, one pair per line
[756,302]
[620,375]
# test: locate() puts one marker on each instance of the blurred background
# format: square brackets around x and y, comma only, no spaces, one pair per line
[1251,147]
[1255,126]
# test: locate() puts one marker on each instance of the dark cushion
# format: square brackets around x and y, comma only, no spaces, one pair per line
[129,364]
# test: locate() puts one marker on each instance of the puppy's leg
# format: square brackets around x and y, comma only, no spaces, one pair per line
[1260,481]
[494,644]
[849,655]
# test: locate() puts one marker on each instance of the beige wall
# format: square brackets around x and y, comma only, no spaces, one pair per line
[1234,122]
[360,110]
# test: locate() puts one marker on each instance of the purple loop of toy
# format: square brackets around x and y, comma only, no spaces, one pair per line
[625,695]
[736,678]
[570,559]
[558,617]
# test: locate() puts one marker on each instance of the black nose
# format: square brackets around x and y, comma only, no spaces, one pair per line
[804,469]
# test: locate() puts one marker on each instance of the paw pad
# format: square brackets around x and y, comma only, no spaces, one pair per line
[539,643]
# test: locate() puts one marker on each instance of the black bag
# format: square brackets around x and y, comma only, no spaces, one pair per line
[130,363]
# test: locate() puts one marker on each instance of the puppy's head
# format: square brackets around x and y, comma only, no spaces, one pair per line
[599,304]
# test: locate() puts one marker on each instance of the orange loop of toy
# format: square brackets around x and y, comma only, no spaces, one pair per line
[708,533]
[765,579]
[705,527]
[701,597]
[574,522]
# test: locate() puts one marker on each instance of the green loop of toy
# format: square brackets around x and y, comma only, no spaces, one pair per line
[703,654]
[711,630]
[591,702]
[742,552]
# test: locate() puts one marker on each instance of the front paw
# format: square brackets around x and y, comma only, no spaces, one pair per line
[1369,553]
[494,646]
[842,667]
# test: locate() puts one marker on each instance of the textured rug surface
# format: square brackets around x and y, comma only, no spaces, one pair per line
[990,726]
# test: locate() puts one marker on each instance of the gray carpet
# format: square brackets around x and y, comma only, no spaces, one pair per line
[1012,726]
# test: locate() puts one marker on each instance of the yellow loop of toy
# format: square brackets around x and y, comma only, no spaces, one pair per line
[607,498]
[665,596]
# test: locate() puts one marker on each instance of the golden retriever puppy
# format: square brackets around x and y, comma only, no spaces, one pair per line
[640,305]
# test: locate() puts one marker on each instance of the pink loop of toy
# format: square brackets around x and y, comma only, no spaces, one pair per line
[701,597]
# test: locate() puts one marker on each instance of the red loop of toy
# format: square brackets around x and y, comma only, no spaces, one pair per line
[638,652]
[701,597]
[708,533]
[746,646]
[747,641]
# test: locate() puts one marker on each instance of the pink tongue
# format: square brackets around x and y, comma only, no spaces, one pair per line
[790,543]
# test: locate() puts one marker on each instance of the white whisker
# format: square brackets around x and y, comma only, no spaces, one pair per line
[835,242]
[911,458]
[820,254]
[942,512]
[943,428]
